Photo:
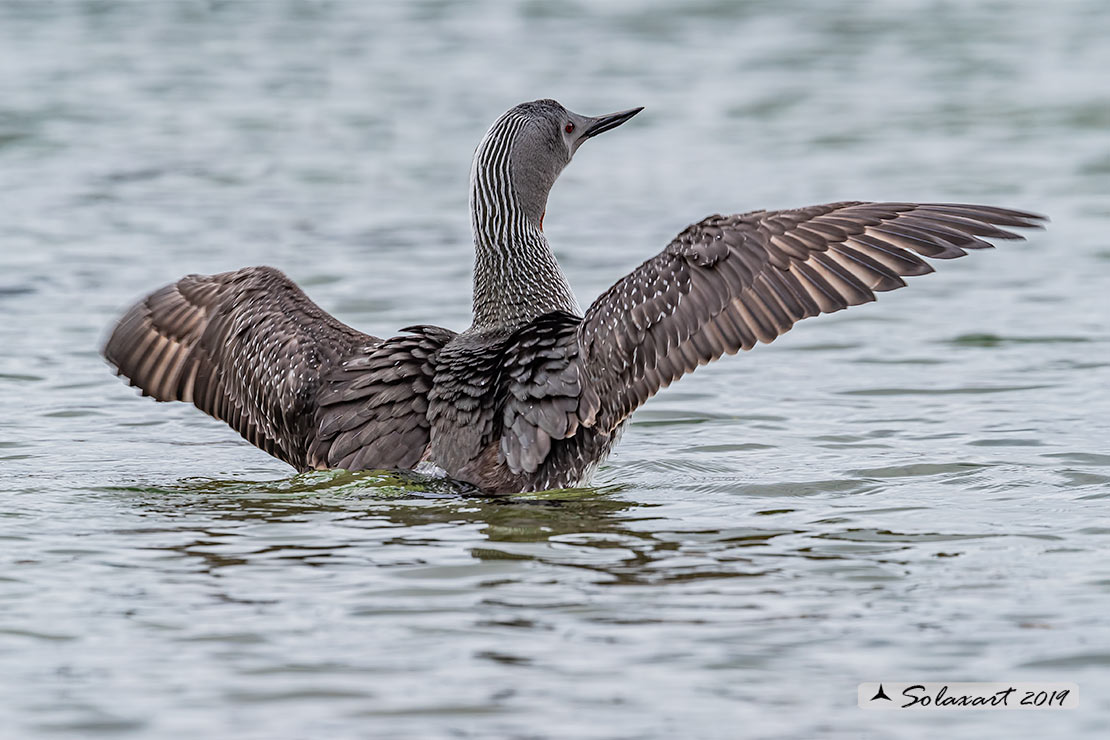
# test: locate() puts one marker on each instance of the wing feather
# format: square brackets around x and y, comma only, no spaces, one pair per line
[729,282]
[373,409]
[247,347]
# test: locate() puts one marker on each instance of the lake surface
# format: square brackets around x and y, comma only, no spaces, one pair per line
[915,489]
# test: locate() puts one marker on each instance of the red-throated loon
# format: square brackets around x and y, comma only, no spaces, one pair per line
[533,395]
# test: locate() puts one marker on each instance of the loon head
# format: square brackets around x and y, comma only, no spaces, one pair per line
[524,151]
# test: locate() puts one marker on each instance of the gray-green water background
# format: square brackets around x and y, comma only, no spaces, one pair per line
[910,490]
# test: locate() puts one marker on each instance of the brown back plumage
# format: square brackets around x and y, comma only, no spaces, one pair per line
[373,409]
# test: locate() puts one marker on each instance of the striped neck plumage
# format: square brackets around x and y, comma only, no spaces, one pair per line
[516,276]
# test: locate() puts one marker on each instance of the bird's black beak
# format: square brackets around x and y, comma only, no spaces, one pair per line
[601,124]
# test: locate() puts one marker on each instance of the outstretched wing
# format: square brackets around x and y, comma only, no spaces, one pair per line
[731,281]
[247,347]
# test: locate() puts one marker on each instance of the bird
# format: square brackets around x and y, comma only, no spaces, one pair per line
[535,393]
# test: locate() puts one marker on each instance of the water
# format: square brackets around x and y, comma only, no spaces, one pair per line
[910,490]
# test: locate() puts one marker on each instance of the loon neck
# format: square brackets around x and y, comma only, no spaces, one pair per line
[517,282]
[516,277]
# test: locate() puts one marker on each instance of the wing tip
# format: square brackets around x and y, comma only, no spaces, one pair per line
[995,215]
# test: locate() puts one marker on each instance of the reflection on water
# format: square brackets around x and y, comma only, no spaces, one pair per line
[913,489]
[590,528]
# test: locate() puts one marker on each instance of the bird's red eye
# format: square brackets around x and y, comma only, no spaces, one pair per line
[569,128]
